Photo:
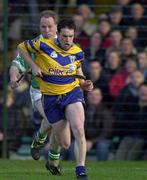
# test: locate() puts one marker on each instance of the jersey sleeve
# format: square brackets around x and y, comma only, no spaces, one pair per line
[80,57]
[31,46]
[19,63]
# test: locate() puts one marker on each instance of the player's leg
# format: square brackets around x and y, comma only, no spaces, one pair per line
[54,109]
[75,115]
[45,127]
[41,135]
[61,134]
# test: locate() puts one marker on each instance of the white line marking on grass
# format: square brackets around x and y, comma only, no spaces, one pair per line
[137,168]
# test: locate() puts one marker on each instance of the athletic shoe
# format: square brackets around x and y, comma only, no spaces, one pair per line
[82,176]
[53,169]
[35,148]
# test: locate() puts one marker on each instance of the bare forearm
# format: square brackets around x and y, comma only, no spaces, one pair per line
[14,75]
[81,81]
[26,56]
[13,72]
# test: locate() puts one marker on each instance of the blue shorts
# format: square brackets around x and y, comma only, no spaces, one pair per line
[54,106]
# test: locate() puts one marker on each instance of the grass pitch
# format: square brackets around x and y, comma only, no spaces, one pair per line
[35,170]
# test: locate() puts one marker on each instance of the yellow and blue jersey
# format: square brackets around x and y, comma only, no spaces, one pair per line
[55,62]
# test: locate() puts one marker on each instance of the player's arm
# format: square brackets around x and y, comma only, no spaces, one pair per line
[14,76]
[17,67]
[24,49]
[86,85]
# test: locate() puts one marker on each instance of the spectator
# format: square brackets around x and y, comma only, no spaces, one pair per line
[15,22]
[122,78]
[94,51]
[116,18]
[98,125]
[128,49]
[128,93]
[81,36]
[132,33]
[103,16]
[134,126]
[113,64]
[99,81]
[125,5]
[138,20]
[142,60]
[89,17]
[116,37]
[105,28]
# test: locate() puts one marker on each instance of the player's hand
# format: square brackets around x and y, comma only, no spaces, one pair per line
[37,71]
[87,85]
[13,82]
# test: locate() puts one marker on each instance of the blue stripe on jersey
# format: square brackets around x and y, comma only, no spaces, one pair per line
[26,44]
[60,59]
[57,79]
[31,44]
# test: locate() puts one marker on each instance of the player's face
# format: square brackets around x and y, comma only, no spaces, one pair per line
[66,37]
[48,27]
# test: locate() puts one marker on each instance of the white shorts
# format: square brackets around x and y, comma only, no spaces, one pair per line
[35,95]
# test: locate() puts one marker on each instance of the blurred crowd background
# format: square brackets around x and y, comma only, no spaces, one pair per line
[113,35]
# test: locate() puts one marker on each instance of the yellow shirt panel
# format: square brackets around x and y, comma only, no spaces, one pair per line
[55,62]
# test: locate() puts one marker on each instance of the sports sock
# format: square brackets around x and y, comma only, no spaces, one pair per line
[53,155]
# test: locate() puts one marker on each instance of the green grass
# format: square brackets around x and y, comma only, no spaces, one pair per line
[35,170]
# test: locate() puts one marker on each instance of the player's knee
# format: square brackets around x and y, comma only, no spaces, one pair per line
[65,144]
[78,131]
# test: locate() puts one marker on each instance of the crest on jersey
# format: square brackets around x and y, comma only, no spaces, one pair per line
[54,54]
[72,58]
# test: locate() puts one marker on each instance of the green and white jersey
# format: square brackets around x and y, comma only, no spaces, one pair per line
[19,62]
[22,66]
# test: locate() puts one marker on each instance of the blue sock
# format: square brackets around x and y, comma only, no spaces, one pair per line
[80,170]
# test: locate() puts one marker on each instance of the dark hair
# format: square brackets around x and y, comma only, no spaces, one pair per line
[115,9]
[66,23]
[99,61]
[126,38]
[104,20]
[132,58]
[49,13]
[116,30]
[144,83]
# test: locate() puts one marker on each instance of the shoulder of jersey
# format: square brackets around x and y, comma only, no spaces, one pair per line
[38,37]
[77,47]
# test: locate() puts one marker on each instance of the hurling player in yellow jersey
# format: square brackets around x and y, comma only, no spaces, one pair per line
[48,29]
[63,95]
